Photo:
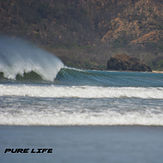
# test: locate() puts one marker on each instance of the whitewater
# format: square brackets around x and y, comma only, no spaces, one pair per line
[81,91]
[36,88]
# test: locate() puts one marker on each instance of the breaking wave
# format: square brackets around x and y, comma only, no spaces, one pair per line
[81,91]
[78,111]
[108,118]
[21,61]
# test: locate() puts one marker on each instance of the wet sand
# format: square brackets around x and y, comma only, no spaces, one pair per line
[83,144]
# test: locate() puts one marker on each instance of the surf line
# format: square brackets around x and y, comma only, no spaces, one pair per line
[28,150]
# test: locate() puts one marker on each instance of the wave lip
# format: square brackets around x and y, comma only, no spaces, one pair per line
[81,91]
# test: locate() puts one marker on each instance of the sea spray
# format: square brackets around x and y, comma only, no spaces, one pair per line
[18,56]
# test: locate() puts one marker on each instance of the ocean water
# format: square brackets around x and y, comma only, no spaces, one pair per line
[83,144]
[36,88]
[86,116]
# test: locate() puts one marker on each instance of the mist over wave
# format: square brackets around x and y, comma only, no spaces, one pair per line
[18,57]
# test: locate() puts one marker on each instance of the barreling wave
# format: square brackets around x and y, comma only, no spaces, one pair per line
[81,91]
[20,60]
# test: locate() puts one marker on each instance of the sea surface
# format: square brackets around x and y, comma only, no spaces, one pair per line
[103,98]
[37,89]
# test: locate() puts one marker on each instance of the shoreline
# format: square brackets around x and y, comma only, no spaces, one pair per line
[80,126]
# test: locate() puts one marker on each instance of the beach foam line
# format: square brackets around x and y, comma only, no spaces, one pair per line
[29,118]
[81,91]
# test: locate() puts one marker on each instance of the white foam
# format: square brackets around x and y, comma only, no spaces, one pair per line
[18,56]
[62,118]
[81,91]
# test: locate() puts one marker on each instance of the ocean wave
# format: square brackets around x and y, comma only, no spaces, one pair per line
[81,91]
[28,117]
[21,61]
[71,76]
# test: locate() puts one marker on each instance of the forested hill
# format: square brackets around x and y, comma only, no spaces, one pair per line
[85,33]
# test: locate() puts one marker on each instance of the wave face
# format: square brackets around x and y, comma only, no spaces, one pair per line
[18,57]
[72,76]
